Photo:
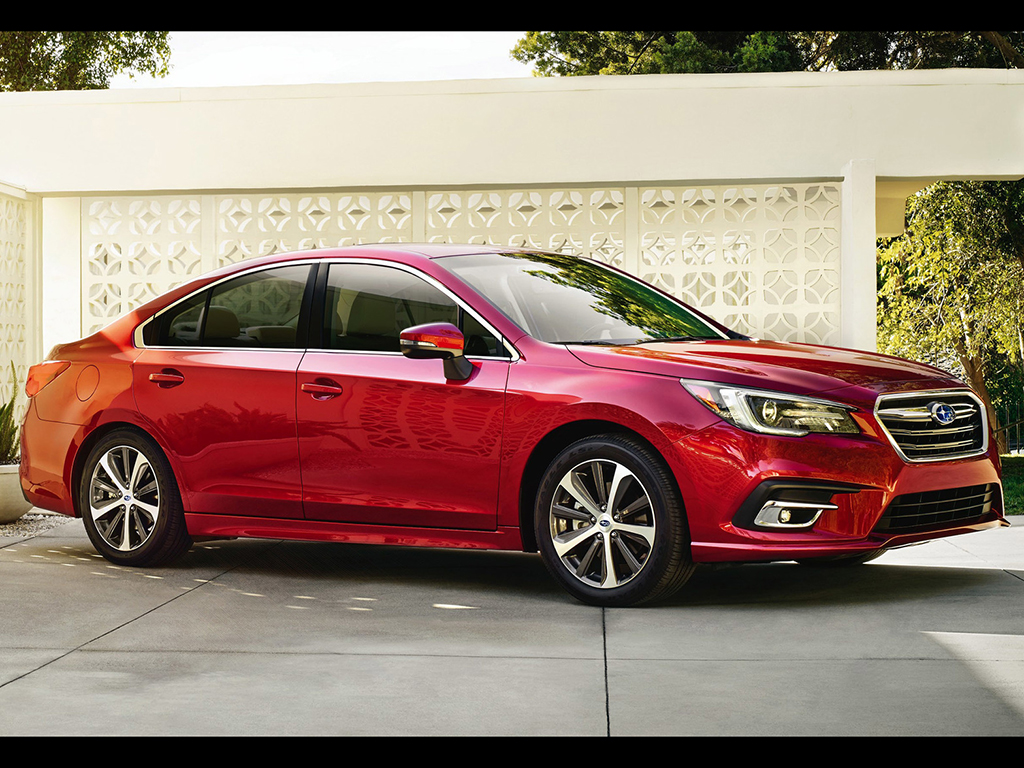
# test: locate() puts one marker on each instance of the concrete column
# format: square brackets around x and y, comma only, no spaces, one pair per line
[61,270]
[857,280]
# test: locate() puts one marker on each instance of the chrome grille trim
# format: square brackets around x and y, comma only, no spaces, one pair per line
[901,421]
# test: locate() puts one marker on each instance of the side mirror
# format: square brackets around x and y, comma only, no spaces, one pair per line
[438,340]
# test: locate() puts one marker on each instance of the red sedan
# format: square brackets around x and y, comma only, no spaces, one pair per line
[472,396]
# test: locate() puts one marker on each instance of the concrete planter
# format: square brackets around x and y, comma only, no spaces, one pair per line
[12,503]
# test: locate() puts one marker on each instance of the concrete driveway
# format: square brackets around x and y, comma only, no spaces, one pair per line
[269,637]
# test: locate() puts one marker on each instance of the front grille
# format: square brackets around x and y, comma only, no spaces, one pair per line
[920,511]
[919,434]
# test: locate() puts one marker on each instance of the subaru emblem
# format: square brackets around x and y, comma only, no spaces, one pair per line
[942,413]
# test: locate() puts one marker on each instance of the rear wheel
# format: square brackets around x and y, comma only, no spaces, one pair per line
[610,525]
[130,502]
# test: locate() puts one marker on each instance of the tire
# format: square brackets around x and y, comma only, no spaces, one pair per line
[130,502]
[842,561]
[643,534]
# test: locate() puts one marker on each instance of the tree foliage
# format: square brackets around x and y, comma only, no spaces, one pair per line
[67,61]
[629,53]
[950,290]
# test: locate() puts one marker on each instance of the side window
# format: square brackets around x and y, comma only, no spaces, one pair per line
[368,306]
[179,326]
[256,310]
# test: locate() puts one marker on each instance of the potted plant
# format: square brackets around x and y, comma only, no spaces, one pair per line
[12,502]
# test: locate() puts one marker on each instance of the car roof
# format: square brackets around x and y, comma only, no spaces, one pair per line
[372,251]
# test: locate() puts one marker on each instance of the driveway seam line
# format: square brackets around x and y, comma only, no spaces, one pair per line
[604,644]
[125,624]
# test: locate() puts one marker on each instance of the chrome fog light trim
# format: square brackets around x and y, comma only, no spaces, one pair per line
[777,513]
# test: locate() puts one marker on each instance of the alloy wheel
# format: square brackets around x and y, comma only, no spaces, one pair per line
[124,498]
[602,523]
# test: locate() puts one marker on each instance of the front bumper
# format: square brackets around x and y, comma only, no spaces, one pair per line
[723,472]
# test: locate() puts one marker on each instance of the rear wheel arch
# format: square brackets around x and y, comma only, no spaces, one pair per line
[92,439]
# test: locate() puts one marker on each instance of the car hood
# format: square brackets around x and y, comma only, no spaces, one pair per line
[803,369]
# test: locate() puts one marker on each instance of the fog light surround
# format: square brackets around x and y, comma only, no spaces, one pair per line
[790,514]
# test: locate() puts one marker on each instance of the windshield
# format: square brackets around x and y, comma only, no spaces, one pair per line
[565,299]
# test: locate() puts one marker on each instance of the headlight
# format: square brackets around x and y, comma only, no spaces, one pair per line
[772,413]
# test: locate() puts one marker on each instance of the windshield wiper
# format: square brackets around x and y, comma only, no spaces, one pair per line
[671,338]
[603,342]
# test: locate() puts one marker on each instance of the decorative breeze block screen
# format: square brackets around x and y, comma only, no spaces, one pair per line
[763,259]
[13,309]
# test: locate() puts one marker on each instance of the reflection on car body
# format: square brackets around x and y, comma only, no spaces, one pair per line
[475,396]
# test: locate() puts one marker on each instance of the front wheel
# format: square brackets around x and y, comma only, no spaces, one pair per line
[610,525]
[130,502]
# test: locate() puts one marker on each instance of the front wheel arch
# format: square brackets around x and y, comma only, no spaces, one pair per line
[653,545]
[549,446]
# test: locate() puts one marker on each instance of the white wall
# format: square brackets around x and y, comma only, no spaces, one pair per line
[872,137]
[770,126]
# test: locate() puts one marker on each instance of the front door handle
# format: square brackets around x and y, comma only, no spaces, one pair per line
[322,389]
[167,378]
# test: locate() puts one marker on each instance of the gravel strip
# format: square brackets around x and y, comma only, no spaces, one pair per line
[33,523]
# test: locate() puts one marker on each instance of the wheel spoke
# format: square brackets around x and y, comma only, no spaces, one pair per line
[141,465]
[98,512]
[620,482]
[572,485]
[113,524]
[147,489]
[150,509]
[642,503]
[103,485]
[587,559]
[126,528]
[631,561]
[602,489]
[122,489]
[569,540]
[608,578]
[576,514]
[646,532]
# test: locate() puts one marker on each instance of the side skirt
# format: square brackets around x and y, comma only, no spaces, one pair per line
[224,526]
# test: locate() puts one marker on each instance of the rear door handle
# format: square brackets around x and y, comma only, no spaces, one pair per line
[322,389]
[167,378]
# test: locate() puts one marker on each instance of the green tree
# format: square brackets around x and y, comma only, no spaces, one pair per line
[638,53]
[951,286]
[950,294]
[72,61]
[627,53]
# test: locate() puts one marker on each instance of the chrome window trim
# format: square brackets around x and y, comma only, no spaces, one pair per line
[513,353]
[928,393]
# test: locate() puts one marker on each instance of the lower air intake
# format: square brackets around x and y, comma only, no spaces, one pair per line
[933,509]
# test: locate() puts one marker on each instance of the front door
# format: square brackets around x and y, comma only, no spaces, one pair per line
[385,439]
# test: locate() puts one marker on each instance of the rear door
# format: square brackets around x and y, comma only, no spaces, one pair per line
[218,385]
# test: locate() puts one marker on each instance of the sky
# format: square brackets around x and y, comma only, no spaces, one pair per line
[203,59]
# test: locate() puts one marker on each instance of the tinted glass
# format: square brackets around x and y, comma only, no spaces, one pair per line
[260,309]
[368,306]
[561,299]
[179,326]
